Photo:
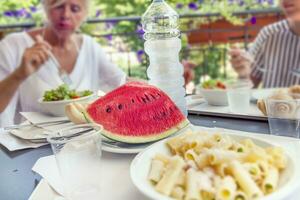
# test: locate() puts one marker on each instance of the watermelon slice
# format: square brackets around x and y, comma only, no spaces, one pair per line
[133,113]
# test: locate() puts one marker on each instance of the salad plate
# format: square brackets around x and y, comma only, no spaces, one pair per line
[214,92]
[54,101]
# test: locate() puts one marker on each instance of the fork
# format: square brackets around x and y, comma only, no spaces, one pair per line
[64,76]
[62,73]
[35,124]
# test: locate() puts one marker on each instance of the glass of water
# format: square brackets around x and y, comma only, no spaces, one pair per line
[283,117]
[238,95]
[77,151]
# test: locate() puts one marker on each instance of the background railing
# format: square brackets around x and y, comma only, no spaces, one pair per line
[209,56]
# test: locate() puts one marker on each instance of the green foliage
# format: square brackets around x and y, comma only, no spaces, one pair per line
[127,35]
[18,11]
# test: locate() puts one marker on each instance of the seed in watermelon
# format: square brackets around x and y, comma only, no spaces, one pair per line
[133,113]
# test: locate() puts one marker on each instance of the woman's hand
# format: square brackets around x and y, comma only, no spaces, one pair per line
[241,62]
[34,57]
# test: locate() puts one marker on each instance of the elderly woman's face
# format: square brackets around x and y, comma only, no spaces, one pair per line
[67,17]
[291,8]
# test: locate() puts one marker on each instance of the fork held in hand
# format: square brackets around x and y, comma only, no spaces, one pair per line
[62,73]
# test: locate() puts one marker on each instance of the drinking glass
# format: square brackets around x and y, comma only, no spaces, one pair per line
[77,151]
[238,95]
[283,117]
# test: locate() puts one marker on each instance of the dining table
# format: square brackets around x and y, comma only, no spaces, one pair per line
[18,181]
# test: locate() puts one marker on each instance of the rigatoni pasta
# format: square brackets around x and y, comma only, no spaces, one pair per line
[166,184]
[157,169]
[215,167]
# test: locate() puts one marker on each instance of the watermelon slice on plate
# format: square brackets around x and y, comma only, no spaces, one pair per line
[133,113]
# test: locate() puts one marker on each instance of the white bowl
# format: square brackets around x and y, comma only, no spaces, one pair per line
[214,97]
[140,166]
[57,108]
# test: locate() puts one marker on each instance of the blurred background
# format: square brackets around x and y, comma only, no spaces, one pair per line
[209,28]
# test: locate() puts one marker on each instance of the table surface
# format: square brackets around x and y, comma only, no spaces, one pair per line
[17,181]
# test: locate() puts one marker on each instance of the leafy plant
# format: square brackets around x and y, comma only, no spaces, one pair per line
[126,36]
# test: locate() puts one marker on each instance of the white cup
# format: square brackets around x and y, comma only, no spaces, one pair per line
[77,151]
[238,95]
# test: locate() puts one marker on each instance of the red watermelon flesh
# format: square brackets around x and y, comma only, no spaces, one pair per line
[137,113]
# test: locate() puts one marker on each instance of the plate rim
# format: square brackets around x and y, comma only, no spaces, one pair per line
[120,150]
[110,149]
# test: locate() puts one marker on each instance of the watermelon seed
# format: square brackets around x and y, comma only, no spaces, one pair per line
[132,100]
[144,100]
[148,99]
[120,106]
[108,109]
[153,96]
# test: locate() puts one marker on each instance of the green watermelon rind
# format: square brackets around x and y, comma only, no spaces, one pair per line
[145,139]
[139,139]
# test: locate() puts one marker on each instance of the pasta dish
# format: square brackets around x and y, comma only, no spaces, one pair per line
[206,166]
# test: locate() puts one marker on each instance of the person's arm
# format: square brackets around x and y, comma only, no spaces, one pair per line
[249,65]
[8,87]
[32,59]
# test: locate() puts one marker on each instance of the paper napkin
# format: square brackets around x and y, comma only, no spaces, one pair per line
[36,117]
[115,167]
[12,143]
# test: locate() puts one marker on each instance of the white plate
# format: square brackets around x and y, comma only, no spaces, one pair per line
[34,135]
[140,166]
[133,148]
[263,93]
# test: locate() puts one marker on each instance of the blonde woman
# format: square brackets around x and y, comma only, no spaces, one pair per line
[26,70]
[273,60]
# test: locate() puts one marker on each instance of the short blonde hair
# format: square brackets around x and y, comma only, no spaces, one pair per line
[48,4]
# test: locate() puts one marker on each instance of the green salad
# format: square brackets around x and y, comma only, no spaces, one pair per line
[63,92]
[213,84]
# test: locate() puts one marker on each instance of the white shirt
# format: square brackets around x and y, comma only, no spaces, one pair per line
[276,52]
[92,71]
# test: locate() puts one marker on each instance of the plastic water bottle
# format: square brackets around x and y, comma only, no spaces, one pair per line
[160,23]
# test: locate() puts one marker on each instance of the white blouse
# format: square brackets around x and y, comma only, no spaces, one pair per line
[92,71]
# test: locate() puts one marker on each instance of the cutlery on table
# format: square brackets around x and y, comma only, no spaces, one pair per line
[36,124]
